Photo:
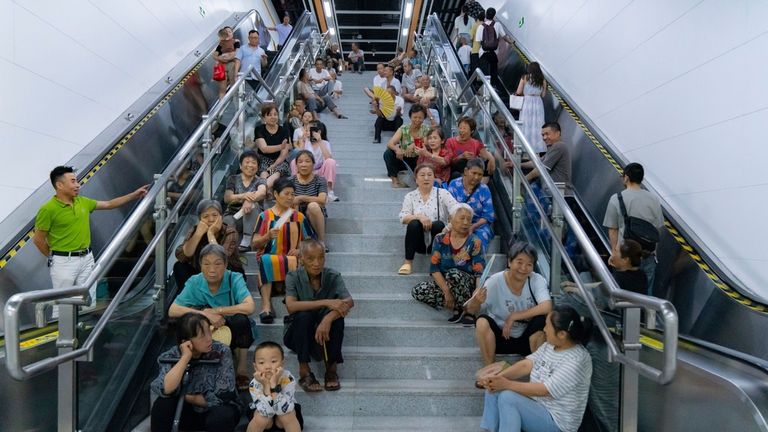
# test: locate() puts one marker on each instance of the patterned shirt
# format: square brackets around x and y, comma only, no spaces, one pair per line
[468,258]
[227,237]
[281,404]
[479,199]
[235,184]
[566,375]
[215,382]
[406,138]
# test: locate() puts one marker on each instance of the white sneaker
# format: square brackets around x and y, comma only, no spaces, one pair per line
[332,196]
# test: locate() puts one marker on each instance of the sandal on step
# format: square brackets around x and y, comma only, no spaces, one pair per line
[267,317]
[405,269]
[310,384]
[332,381]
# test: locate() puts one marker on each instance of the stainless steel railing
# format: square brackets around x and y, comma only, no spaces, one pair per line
[481,102]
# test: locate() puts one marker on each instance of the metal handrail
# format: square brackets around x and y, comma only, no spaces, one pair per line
[111,251]
[618,297]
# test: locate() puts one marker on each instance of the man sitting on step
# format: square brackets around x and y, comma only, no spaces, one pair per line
[317,302]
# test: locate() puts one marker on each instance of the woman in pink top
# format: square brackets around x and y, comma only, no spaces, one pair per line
[464,148]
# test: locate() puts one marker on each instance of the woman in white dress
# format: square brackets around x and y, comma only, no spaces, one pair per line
[462,26]
[533,87]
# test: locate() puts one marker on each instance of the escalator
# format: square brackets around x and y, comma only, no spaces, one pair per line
[715,386]
[126,332]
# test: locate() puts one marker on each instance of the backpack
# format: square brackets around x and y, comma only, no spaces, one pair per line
[639,230]
[490,38]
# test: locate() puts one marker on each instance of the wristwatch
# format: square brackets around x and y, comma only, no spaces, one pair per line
[276,389]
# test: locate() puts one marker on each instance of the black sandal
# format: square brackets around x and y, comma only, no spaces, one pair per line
[267,317]
[332,377]
[308,381]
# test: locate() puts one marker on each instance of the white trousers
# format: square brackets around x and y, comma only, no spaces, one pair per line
[68,271]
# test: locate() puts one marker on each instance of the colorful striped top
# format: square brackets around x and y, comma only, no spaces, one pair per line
[296,229]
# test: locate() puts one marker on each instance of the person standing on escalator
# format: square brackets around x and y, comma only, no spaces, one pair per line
[63,231]
[254,55]
[488,34]
[638,204]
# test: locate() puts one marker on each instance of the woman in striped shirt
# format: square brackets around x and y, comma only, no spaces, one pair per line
[560,373]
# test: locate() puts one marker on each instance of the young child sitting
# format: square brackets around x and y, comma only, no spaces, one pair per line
[338,87]
[272,391]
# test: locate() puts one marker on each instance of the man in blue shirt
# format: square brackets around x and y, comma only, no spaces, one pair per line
[283,31]
[252,55]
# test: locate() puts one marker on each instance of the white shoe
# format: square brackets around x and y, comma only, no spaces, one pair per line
[332,196]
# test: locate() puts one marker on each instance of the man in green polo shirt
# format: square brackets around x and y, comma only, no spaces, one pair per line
[63,232]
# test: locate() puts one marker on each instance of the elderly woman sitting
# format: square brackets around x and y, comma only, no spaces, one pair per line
[210,402]
[221,296]
[210,229]
[456,265]
[243,194]
[514,304]
[469,189]
[425,211]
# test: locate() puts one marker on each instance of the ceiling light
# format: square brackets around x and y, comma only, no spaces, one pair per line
[408,10]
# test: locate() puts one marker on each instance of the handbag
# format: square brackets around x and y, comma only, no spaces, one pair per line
[516,102]
[219,72]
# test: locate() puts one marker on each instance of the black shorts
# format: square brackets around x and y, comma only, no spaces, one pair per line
[519,345]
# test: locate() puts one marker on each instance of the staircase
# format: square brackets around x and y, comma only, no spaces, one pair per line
[375,26]
[406,368]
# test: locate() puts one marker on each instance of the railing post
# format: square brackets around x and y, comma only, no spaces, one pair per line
[67,371]
[557,236]
[517,197]
[161,265]
[239,101]
[629,376]
[207,174]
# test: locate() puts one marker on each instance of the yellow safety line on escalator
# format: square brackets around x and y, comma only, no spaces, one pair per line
[695,256]
[109,155]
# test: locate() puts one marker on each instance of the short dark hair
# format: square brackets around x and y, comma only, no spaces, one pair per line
[252,32]
[305,153]
[222,32]
[269,344]
[389,66]
[249,154]
[59,172]
[281,184]
[524,248]
[632,250]
[634,172]
[267,108]
[565,318]
[319,59]
[490,13]
[555,126]
[417,108]
[424,166]
[469,121]
[475,163]
[190,325]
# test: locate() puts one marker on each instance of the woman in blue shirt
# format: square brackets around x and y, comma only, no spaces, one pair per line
[222,296]
[470,190]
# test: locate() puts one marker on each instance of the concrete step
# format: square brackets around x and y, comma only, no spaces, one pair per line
[392,424]
[369,162]
[396,398]
[391,332]
[380,306]
[338,224]
[382,282]
[362,209]
[419,363]
[369,180]
[379,243]
[353,192]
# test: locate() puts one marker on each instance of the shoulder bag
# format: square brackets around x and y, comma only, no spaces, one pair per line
[639,230]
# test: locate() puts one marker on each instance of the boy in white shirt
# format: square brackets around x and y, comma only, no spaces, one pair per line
[272,390]
[464,52]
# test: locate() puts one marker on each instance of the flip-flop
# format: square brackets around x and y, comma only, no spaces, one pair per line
[405,269]
[306,383]
[330,378]
[267,317]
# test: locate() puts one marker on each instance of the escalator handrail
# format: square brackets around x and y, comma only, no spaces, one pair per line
[617,296]
[111,251]
[671,215]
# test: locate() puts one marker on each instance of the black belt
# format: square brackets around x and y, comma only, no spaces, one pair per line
[79,253]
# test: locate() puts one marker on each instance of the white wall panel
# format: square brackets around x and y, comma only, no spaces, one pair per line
[71,68]
[680,87]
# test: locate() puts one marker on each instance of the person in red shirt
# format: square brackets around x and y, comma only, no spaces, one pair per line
[435,154]
[464,148]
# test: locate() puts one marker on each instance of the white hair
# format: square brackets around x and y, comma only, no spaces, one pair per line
[461,206]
